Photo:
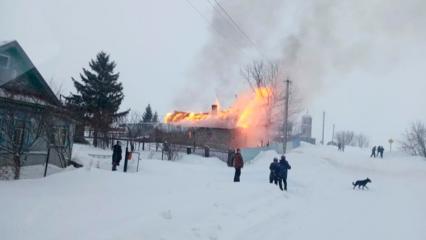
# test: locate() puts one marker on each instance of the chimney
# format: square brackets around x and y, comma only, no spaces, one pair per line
[214,109]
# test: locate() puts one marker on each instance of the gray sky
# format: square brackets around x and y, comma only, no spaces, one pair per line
[363,63]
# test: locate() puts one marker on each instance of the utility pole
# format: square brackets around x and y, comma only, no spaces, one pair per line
[285,126]
[323,125]
[332,136]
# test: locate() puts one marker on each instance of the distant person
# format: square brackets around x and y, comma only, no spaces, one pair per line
[238,164]
[373,152]
[283,167]
[381,150]
[116,155]
[273,175]
[166,150]
[339,147]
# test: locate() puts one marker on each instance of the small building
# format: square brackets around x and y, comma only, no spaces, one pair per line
[306,126]
[306,130]
[34,125]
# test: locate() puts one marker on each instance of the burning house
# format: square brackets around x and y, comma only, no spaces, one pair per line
[247,123]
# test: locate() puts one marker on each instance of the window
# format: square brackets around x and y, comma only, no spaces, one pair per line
[20,136]
[4,61]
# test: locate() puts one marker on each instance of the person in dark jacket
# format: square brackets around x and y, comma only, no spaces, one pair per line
[116,155]
[238,164]
[380,151]
[283,167]
[273,177]
[373,152]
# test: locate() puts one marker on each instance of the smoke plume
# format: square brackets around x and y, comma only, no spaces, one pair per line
[312,40]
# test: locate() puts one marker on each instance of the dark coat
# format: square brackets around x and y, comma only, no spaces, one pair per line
[274,167]
[116,153]
[283,167]
[238,161]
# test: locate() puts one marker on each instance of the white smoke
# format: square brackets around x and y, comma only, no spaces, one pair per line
[311,39]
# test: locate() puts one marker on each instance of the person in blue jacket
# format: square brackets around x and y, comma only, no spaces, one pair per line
[273,175]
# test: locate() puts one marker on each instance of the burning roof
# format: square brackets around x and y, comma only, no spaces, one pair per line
[244,113]
[250,112]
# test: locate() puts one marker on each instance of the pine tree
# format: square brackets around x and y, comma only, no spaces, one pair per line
[147,115]
[155,117]
[99,95]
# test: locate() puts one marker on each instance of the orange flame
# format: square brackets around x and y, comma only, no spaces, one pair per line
[248,112]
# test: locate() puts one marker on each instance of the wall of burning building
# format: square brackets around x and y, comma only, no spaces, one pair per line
[218,138]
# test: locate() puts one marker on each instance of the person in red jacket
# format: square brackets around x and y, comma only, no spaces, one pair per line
[238,164]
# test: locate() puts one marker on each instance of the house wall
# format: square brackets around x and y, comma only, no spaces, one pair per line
[37,152]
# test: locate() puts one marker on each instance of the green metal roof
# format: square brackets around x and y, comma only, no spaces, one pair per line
[25,71]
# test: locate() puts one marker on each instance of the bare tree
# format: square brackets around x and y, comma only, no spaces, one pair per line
[361,140]
[269,76]
[415,140]
[261,75]
[56,88]
[19,131]
[345,137]
[133,124]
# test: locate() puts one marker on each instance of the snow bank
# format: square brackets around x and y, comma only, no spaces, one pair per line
[195,198]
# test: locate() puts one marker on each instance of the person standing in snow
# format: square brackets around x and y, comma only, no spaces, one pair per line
[116,155]
[283,167]
[274,170]
[238,164]
[380,151]
[373,152]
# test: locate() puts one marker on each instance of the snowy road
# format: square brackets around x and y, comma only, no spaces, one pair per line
[195,198]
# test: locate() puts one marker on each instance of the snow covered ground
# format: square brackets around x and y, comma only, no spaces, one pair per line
[195,198]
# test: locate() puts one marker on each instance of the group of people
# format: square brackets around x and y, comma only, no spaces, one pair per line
[278,174]
[377,151]
[341,147]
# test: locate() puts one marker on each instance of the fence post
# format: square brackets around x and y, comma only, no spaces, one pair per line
[47,161]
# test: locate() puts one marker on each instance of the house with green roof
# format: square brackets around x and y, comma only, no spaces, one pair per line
[35,128]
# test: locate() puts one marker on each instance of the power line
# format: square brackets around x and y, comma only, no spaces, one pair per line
[238,28]
[197,10]
[208,23]
[229,20]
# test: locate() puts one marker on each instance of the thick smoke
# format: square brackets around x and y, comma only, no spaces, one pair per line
[216,69]
[312,40]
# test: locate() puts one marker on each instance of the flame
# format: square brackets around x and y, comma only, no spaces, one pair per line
[248,112]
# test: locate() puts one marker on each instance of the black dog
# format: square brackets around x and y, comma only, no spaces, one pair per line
[361,183]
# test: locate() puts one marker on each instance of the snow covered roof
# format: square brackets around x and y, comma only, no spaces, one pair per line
[23,98]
